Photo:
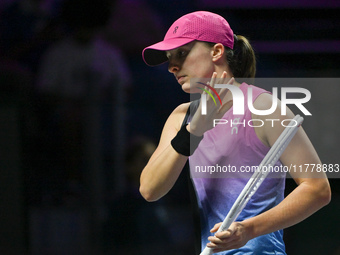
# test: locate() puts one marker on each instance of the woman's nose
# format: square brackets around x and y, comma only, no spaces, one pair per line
[173,67]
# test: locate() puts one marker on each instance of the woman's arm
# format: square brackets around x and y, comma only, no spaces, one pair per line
[311,194]
[165,165]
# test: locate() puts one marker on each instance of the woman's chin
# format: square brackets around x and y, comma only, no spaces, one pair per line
[189,89]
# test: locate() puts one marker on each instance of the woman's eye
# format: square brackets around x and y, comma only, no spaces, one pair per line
[182,53]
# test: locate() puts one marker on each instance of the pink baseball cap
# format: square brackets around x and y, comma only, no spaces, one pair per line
[201,26]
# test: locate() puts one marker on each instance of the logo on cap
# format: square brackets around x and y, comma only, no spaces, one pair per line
[175,30]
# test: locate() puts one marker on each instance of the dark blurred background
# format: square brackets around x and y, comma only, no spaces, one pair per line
[80,114]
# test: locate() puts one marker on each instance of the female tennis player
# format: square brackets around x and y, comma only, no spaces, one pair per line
[202,45]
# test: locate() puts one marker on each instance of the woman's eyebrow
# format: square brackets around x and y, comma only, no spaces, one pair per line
[184,47]
[168,53]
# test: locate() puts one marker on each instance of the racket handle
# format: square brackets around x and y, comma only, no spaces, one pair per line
[207,251]
[225,225]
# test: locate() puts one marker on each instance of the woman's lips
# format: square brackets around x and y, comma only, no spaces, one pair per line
[181,79]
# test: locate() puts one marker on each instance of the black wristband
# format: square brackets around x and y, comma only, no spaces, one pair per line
[184,142]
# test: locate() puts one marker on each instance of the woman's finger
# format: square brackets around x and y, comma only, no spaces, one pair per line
[224,76]
[224,91]
[227,233]
[216,227]
[213,79]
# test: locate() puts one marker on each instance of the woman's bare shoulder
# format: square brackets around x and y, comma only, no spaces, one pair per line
[178,114]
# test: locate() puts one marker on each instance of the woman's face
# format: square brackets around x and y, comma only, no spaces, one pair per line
[193,60]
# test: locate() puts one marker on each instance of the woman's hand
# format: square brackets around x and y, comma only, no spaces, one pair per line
[201,123]
[235,237]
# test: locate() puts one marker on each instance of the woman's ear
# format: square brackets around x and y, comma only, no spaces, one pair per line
[217,52]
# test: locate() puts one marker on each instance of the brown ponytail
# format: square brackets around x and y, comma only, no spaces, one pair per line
[241,59]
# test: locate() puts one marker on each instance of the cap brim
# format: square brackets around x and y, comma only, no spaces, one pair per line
[155,55]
